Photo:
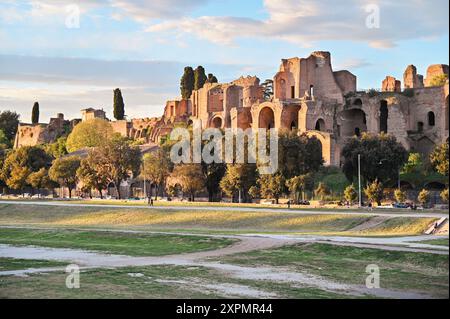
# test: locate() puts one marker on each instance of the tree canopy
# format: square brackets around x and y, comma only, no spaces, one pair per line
[117,160]
[90,133]
[9,121]
[64,172]
[381,158]
[20,163]
[439,159]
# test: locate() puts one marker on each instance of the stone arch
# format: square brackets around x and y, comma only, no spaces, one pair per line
[384,115]
[435,186]
[352,122]
[266,118]
[431,119]
[289,117]
[357,102]
[325,141]
[320,125]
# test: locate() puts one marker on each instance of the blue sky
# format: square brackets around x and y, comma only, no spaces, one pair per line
[142,46]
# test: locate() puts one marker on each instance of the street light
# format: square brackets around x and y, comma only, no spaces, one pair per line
[359,181]
[398,177]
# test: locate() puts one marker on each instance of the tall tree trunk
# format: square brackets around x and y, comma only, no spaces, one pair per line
[117,186]
[70,192]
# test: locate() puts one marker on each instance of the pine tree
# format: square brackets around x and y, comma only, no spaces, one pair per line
[199,77]
[35,113]
[212,78]
[187,83]
[119,106]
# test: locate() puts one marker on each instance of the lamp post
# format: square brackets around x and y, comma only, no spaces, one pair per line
[359,181]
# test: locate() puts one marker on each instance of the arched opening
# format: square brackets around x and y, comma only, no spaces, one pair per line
[292,92]
[320,125]
[217,122]
[293,126]
[435,186]
[172,110]
[352,122]
[266,118]
[420,127]
[431,119]
[357,102]
[384,114]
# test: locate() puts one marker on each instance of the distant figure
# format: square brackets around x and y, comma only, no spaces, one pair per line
[289,204]
[370,206]
[151,201]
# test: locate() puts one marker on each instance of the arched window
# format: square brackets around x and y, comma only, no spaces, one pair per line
[431,119]
[320,125]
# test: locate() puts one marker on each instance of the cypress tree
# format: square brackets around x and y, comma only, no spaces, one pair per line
[187,83]
[199,77]
[35,113]
[119,106]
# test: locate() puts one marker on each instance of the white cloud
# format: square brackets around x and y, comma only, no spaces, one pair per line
[304,22]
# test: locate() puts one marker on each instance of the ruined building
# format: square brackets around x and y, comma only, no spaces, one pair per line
[308,96]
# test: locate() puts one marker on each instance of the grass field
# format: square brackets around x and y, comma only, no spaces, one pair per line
[131,244]
[174,282]
[17,264]
[205,221]
[422,273]
[398,270]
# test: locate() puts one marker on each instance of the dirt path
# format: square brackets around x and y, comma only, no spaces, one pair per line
[90,260]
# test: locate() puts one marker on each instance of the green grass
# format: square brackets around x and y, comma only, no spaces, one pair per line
[219,222]
[131,244]
[117,283]
[17,264]
[422,272]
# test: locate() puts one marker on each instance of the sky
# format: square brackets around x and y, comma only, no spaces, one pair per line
[70,54]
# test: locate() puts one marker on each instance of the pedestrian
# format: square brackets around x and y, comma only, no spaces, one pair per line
[151,201]
[289,204]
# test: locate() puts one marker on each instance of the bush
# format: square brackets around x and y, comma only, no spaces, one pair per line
[400,196]
[374,192]
[444,195]
[423,197]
